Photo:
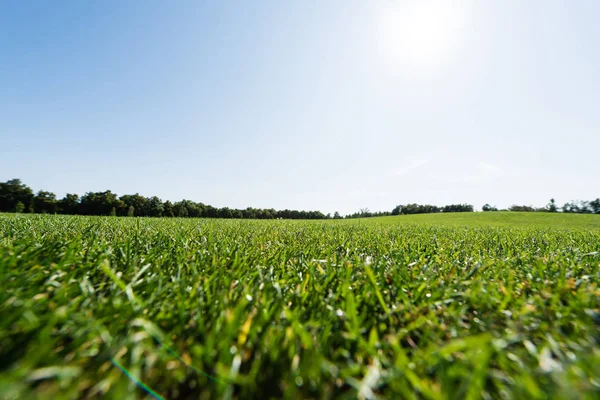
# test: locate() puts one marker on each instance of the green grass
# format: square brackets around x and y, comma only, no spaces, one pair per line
[507,219]
[495,305]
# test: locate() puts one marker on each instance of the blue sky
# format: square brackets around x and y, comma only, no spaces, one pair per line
[326,105]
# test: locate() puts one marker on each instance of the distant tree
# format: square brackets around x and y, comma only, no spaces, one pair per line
[155,207]
[12,192]
[552,206]
[251,213]
[584,207]
[458,208]
[69,204]
[100,203]
[487,207]
[238,214]
[336,215]
[45,202]
[521,208]
[140,204]
[180,209]
[225,212]
[168,209]
[211,212]
[396,210]
[595,205]
[15,196]
[183,212]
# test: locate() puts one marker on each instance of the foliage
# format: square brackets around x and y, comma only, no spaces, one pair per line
[521,208]
[14,192]
[366,213]
[19,207]
[551,207]
[487,207]
[429,209]
[424,306]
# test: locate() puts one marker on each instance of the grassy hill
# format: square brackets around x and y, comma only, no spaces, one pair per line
[507,219]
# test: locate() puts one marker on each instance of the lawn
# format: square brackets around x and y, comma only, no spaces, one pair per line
[471,305]
[539,220]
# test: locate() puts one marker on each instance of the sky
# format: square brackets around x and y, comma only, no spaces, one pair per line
[330,105]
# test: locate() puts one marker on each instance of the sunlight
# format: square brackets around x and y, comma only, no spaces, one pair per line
[418,35]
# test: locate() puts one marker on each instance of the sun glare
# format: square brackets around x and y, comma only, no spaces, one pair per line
[418,34]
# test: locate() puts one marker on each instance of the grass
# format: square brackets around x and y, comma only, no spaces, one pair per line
[495,305]
[540,220]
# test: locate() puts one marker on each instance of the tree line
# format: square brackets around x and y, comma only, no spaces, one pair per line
[429,209]
[18,197]
[574,207]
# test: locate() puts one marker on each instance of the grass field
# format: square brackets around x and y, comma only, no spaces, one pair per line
[451,306]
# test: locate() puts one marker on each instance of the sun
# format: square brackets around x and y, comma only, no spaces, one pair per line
[419,34]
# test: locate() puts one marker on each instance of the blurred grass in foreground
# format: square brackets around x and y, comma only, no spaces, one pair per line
[494,305]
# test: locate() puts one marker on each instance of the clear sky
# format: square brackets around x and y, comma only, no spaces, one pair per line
[314,104]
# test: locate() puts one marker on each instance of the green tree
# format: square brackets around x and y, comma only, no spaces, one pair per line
[45,202]
[20,207]
[595,205]
[12,192]
[100,203]
[487,207]
[168,209]
[69,204]
[552,206]
[155,207]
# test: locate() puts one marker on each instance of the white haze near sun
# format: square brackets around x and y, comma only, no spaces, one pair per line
[419,37]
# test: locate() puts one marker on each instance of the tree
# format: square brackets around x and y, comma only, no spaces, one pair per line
[17,197]
[595,205]
[521,208]
[155,207]
[100,203]
[225,212]
[168,209]
[552,206]
[336,215]
[45,202]
[487,207]
[584,207]
[139,203]
[396,210]
[69,204]
[180,209]
[13,192]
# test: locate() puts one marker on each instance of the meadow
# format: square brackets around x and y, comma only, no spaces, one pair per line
[445,306]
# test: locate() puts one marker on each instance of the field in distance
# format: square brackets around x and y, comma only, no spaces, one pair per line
[538,220]
[472,305]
